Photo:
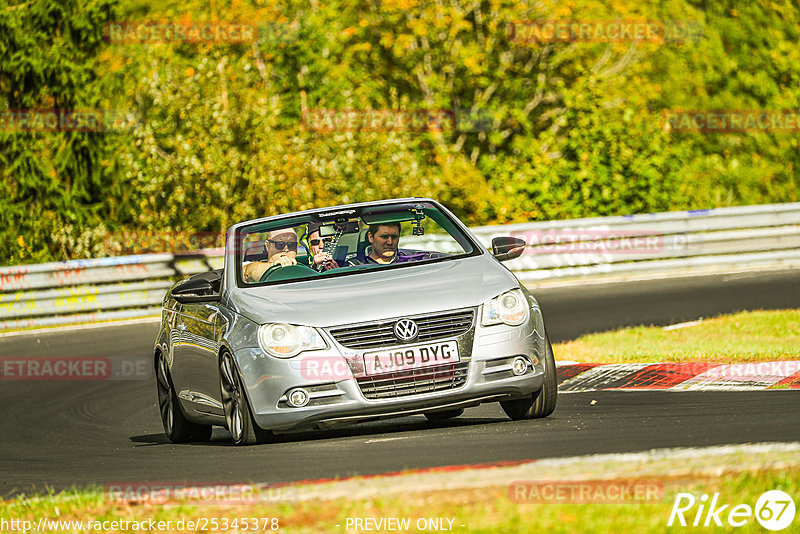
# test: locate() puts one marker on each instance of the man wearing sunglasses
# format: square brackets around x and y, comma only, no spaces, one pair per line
[281,248]
[321,261]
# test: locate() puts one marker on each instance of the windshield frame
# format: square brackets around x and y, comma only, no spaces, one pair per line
[444,219]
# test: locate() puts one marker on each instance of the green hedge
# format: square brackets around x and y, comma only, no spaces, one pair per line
[544,131]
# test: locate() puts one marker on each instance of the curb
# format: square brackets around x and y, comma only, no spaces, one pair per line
[664,467]
[661,465]
[684,376]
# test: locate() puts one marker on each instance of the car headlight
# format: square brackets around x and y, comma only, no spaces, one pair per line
[510,308]
[286,340]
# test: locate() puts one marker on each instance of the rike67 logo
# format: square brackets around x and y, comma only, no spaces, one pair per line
[774,510]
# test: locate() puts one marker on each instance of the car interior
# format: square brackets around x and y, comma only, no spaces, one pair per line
[425,234]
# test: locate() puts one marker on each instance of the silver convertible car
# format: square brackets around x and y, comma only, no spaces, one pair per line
[348,314]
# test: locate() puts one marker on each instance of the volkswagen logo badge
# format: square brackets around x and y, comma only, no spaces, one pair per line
[406,329]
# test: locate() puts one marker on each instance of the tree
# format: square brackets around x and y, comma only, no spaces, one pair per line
[52,181]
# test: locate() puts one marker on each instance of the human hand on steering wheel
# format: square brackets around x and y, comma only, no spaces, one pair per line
[287,272]
[257,271]
[283,261]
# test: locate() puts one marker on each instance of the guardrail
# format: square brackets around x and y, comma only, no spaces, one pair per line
[690,241]
[576,249]
[94,289]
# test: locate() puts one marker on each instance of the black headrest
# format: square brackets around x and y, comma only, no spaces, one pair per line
[255,251]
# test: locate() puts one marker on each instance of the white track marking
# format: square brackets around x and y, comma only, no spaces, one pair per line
[682,325]
[380,440]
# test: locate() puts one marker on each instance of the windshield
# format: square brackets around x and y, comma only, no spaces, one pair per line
[346,242]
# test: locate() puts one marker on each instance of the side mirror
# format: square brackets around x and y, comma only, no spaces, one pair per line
[507,248]
[194,291]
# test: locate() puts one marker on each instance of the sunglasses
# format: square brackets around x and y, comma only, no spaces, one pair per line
[315,242]
[284,245]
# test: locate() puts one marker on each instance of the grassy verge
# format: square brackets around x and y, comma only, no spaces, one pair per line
[741,337]
[489,510]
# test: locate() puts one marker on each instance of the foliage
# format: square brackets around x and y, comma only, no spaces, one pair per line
[542,130]
[49,180]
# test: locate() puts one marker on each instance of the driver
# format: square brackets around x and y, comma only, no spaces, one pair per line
[281,248]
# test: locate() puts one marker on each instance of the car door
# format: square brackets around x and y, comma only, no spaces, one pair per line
[195,362]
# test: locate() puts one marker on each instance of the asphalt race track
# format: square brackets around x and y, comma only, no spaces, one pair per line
[57,434]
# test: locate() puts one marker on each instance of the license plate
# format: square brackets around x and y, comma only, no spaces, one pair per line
[415,357]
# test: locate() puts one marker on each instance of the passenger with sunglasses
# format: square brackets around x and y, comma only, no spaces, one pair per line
[320,260]
[281,248]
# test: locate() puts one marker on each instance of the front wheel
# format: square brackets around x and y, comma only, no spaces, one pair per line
[176,426]
[542,403]
[238,417]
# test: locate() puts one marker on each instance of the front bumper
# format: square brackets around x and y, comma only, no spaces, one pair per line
[337,397]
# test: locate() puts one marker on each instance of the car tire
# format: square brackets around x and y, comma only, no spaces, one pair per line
[442,416]
[542,403]
[176,426]
[238,416]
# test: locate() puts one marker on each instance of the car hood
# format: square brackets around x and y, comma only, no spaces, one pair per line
[376,295]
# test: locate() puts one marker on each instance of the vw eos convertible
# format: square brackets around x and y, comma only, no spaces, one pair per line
[347,314]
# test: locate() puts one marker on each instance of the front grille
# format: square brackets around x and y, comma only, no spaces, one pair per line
[381,333]
[414,381]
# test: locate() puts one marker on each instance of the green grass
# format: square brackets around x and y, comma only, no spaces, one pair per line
[485,511]
[742,337]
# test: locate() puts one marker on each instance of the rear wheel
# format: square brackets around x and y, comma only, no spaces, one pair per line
[238,416]
[442,416]
[177,427]
[542,403]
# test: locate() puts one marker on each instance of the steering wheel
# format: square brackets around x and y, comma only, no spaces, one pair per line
[276,272]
